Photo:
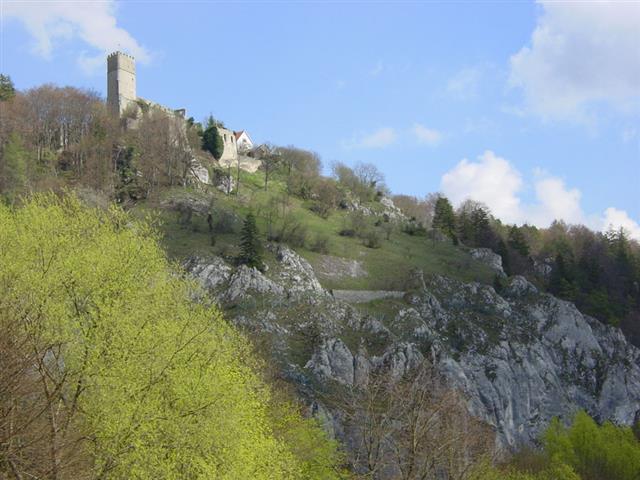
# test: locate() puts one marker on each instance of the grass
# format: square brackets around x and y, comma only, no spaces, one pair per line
[387,267]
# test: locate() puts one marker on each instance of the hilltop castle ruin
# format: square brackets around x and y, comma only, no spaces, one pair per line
[122,100]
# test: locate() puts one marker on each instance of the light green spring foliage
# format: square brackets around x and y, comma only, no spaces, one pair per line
[169,390]
[595,452]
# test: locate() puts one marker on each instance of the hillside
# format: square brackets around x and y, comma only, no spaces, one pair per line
[421,337]
[344,262]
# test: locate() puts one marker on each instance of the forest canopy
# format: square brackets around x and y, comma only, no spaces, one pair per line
[109,369]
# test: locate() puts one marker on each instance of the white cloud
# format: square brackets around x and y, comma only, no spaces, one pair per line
[426,135]
[464,84]
[554,201]
[383,137]
[614,218]
[92,22]
[491,180]
[581,53]
[495,182]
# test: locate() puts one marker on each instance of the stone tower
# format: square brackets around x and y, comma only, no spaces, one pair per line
[121,81]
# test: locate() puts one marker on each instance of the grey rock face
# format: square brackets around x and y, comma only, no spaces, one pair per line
[333,360]
[246,281]
[490,258]
[529,357]
[521,357]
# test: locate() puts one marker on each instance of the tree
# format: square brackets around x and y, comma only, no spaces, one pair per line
[211,139]
[595,452]
[13,171]
[302,168]
[414,425]
[250,247]
[444,219]
[270,161]
[109,370]
[517,241]
[7,90]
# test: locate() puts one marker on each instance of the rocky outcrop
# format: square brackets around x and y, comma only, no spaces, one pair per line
[520,357]
[489,258]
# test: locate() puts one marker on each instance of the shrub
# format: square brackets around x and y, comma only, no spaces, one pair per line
[321,244]
[373,239]
[225,222]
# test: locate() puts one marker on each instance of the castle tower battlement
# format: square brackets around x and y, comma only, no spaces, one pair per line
[121,81]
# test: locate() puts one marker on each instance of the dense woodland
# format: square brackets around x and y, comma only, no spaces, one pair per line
[109,369]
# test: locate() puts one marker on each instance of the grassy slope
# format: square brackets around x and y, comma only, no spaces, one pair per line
[387,267]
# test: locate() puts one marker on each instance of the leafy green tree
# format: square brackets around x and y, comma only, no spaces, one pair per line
[595,452]
[7,90]
[13,171]
[250,247]
[517,241]
[127,377]
[444,219]
[211,139]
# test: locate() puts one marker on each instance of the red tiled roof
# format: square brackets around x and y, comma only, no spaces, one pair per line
[238,134]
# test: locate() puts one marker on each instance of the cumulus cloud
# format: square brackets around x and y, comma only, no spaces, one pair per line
[616,219]
[554,201]
[464,84]
[495,182]
[383,137]
[491,180]
[94,23]
[580,54]
[425,135]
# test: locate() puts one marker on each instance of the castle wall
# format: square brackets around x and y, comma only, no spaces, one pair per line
[230,154]
[121,81]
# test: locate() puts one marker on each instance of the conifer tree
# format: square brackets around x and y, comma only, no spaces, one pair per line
[444,219]
[211,139]
[250,248]
[7,90]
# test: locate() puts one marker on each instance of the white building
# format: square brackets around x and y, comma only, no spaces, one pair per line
[243,141]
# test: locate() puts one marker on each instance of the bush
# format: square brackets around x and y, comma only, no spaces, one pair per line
[357,222]
[347,232]
[373,239]
[291,231]
[225,222]
[414,229]
[321,244]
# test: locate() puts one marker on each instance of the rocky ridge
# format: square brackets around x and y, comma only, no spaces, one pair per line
[520,356]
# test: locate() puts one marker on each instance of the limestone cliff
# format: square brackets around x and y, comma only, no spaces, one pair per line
[520,356]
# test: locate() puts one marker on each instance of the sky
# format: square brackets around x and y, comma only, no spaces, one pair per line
[530,108]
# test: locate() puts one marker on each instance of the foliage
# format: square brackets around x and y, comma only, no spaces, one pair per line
[134,379]
[364,181]
[7,90]
[13,171]
[595,452]
[517,241]
[444,219]
[250,247]
[321,244]
[212,140]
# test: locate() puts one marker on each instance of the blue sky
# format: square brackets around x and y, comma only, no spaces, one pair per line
[533,109]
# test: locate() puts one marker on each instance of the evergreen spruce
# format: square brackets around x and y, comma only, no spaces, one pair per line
[211,139]
[250,248]
[7,90]
[444,219]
